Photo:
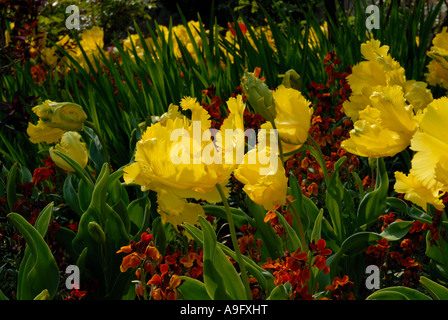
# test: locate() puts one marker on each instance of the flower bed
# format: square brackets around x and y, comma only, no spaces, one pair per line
[237,162]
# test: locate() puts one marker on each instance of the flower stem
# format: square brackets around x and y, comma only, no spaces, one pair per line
[280,147]
[319,156]
[235,242]
[299,223]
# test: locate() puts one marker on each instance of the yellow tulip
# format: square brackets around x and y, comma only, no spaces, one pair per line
[43,133]
[92,39]
[182,169]
[264,181]
[293,116]
[385,128]
[417,192]
[438,66]
[431,144]
[369,76]
[71,146]
[67,116]
[179,211]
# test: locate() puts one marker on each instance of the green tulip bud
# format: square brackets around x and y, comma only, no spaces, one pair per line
[259,96]
[292,80]
[96,232]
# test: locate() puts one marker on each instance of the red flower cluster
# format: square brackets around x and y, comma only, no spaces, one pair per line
[248,244]
[329,127]
[401,256]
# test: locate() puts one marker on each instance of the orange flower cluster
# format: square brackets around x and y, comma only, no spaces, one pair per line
[295,268]
[164,271]
[340,289]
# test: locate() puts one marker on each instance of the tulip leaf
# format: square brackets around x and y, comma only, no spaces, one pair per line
[396,230]
[292,235]
[220,277]
[39,270]
[397,293]
[334,198]
[271,241]
[436,290]
[70,194]
[11,186]
[75,165]
[374,203]
[298,204]
[265,278]
[240,217]
[85,190]
[281,292]
[192,289]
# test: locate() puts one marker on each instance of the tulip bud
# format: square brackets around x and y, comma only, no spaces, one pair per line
[96,232]
[259,96]
[292,80]
[63,115]
[72,146]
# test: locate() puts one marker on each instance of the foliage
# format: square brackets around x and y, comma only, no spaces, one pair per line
[141,228]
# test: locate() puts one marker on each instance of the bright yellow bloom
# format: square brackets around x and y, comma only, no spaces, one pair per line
[418,193]
[438,66]
[71,146]
[293,117]
[417,94]
[431,144]
[264,181]
[189,168]
[67,116]
[43,133]
[55,118]
[170,214]
[92,39]
[378,71]
[385,128]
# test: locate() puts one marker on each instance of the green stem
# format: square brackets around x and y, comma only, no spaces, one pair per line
[299,223]
[280,147]
[320,158]
[235,242]
[100,138]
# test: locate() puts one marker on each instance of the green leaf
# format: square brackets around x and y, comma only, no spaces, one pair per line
[292,235]
[70,194]
[192,289]
[281,292]
[333,199]
[396,230]
[264,277]
[220,277]
[316,233]
[437,291]
[397,293]
[240,217]
[11,186]
[40,270]
[75,165]
[44,295]
[374,203]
